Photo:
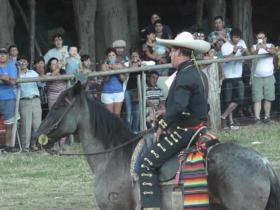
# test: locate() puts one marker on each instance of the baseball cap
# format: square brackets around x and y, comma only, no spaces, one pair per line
[3,51]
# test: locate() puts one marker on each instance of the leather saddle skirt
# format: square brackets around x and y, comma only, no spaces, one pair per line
[170,167]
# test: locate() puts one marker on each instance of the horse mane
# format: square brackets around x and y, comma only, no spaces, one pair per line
[108,127]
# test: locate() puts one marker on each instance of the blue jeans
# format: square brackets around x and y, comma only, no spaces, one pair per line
[132,111]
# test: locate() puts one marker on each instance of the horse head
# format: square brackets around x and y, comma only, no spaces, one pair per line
[62,118]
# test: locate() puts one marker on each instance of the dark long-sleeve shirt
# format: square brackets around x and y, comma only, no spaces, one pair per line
[187,97]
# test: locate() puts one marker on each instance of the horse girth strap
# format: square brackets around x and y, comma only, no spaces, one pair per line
[130,141]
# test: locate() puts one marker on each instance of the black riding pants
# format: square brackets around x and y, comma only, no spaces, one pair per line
[169,145]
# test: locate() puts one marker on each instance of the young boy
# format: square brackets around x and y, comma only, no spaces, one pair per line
[73,61]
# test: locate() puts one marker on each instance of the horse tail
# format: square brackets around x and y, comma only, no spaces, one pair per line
[274,196]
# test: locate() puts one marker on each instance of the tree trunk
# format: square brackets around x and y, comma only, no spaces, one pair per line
[26,23]
[32,20]
[7,24]
[133,22]
[242,19]
[215,8]
[199,13]
[112,24]
[85,13]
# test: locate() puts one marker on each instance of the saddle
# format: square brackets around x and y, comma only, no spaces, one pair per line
[201,141]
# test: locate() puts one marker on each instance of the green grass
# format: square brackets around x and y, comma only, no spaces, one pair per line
[39,181]
[36,181]
[263,138]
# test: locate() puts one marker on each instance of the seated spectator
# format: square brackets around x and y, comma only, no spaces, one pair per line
[263,78]
[93,83]
[220,31]
[73,61]
[29,106]
[151,27]
[8,75]
[112,93]
[39,67]
[59,51]
[154,97]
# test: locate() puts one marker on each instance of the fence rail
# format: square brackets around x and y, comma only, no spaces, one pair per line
[212,72]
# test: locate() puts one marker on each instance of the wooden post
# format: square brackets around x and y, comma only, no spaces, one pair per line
[32,5]
[140,101]
[144,99]
[15,124]
[214,96]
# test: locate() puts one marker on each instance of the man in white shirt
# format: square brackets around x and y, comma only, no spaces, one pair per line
[59,51]
[263,78]
[233,86]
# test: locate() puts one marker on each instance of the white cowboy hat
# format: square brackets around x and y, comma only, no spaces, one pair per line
[186,40]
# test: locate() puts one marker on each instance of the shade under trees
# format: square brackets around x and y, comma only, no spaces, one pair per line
[99,22]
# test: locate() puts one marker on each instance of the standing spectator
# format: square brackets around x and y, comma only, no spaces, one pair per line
[73,61]
[39,67]
[112,94]
[233,86]
[199,34]
[277,77]
[263,79]
[119,46]
[59,51]
[151,52]
[220,31]
[29,106]
[8,75]
[131,94]
[54,88]
[93,83]
[13,53]
[151,27]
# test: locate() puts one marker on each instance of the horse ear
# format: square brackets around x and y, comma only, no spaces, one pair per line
[77,88]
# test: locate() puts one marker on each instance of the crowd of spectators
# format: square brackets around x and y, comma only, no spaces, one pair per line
[119,92]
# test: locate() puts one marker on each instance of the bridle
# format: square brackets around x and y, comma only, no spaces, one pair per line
[56,124]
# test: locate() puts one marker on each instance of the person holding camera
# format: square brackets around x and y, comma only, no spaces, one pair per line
[263,78]
[233,86]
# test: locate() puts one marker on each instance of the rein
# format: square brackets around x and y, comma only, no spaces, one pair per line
[134,139]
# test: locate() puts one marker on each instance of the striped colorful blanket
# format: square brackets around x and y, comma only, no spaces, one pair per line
[194,179]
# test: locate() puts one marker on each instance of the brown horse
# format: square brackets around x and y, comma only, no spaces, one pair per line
[239,178]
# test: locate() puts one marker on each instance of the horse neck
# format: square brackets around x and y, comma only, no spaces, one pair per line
[91,143]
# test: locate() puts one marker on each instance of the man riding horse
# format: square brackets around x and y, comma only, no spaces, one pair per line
[186,111]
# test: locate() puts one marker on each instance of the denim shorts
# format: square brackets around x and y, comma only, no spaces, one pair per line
[233,90]
[109,98]
[7,110]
